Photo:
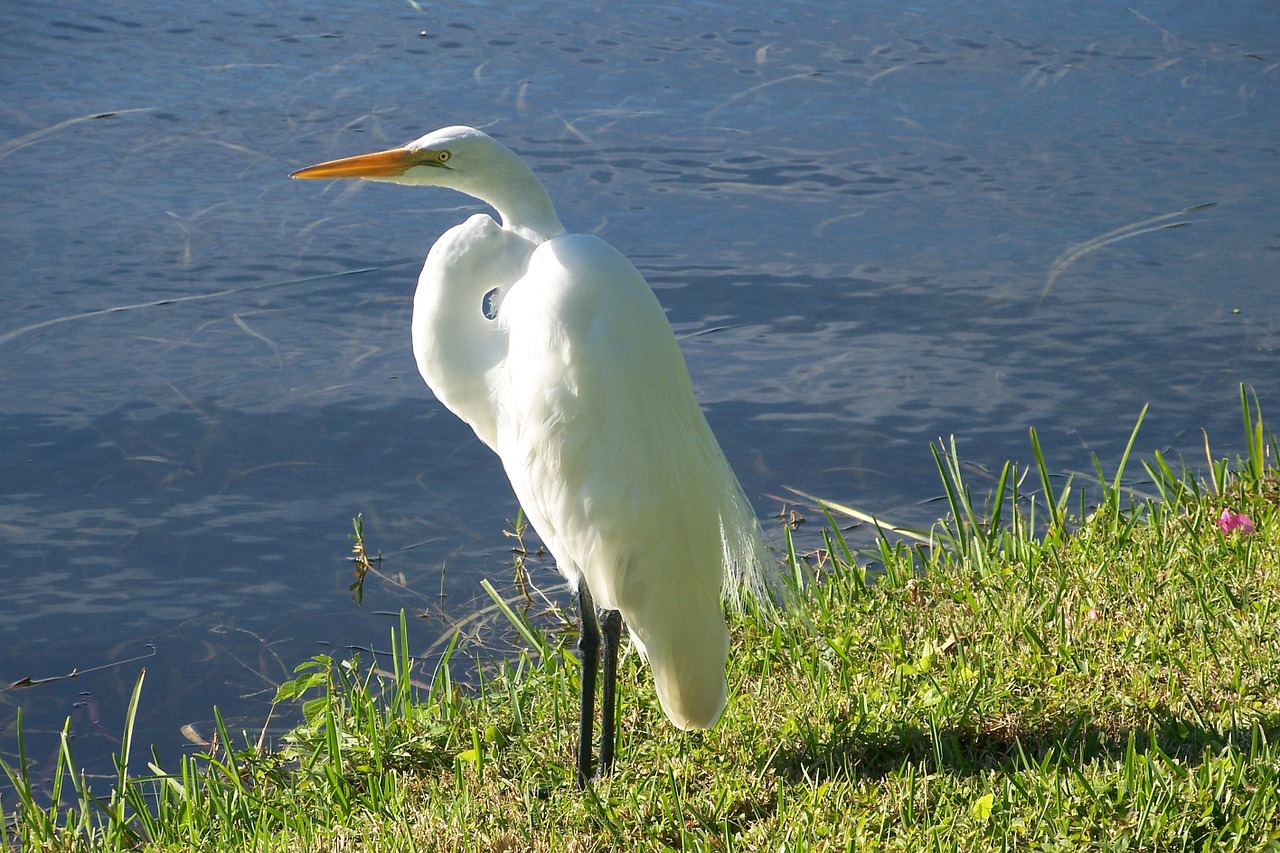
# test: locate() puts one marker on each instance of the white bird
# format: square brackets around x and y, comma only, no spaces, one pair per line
[554,349]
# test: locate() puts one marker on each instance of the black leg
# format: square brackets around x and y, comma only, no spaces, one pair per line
[589,651]
[611,626]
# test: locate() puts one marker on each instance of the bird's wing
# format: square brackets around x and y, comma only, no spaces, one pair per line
[614,463]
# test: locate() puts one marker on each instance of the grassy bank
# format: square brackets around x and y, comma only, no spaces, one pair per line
[1046,675]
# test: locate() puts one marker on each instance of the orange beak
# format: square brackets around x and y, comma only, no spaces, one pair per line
[381,164]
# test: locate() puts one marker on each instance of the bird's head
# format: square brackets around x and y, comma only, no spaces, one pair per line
[462,159]
[440,158]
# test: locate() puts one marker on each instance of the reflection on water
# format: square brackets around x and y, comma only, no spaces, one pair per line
[869,230]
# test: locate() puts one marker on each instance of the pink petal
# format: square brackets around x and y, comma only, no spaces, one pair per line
[1230,521]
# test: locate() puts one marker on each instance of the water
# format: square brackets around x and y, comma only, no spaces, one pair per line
[870,230]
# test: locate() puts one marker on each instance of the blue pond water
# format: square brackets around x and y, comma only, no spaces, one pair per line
[870,229]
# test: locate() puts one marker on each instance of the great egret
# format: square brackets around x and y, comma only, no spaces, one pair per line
[556,352]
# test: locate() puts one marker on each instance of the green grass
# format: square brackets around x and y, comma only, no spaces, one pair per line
[1043,674]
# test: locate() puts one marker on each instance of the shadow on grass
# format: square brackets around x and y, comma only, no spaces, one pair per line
[850,750]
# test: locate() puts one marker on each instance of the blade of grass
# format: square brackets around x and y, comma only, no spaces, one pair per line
[522,626]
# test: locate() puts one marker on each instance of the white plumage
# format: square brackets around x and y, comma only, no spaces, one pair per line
[572,375]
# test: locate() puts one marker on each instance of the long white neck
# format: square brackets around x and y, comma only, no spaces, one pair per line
[511,188]
[458,348]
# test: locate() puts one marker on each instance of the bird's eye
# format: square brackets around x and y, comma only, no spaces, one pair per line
[443,157]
